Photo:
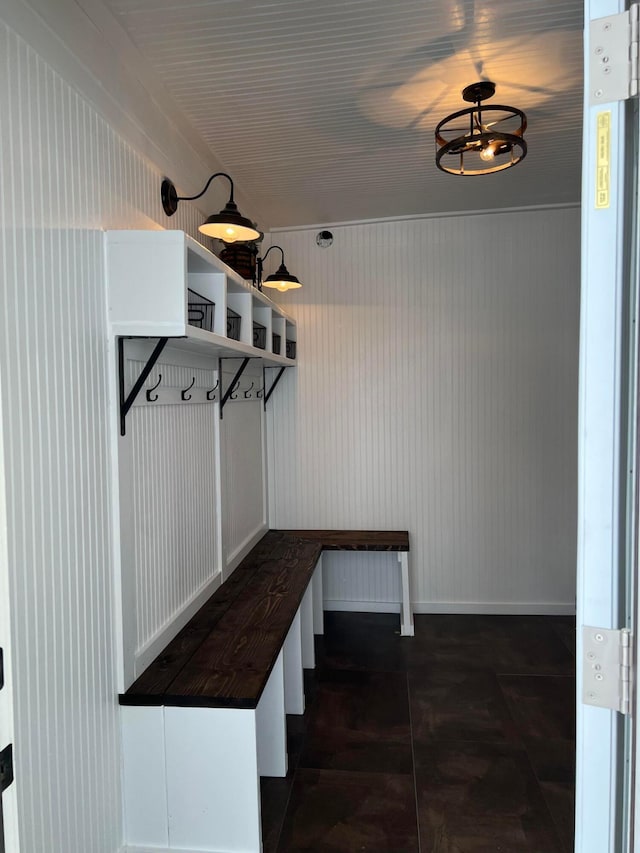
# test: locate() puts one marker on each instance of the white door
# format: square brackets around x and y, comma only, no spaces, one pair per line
[8,807]
[606,452]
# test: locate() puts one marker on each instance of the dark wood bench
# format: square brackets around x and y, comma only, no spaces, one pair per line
[368,540]
[208,717]
[225,654]
[223,657]
[355,540]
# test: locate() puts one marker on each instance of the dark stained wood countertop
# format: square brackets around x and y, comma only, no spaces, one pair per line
[224,655]
[356,540]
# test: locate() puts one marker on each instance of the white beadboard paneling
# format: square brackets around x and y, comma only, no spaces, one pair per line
[366,576]
[9,800]
[66,174]
[83,43]
[173,485]
[243,482]
[436,391]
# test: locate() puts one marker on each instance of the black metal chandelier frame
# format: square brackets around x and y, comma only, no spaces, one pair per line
[481,138]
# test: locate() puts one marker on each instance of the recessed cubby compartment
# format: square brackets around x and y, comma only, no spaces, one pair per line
[234,324]
[259,335]
[278,335]
[291,340]
[204,288]
[240,303]
[200,311]
[262,327]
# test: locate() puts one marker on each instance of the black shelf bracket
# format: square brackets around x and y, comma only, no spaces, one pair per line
[233,386]
[6,768]
[6,779]
[127,401]
[272,387]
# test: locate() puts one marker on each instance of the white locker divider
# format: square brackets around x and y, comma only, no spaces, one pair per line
[293,675]
[306,629]
[318,598]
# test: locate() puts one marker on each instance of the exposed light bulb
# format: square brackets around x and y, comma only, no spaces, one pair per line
[487,154]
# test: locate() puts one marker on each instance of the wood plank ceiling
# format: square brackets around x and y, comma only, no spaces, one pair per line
[324,110]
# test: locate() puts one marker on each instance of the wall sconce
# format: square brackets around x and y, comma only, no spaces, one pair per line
[228,225]
[481,148]
[281,279]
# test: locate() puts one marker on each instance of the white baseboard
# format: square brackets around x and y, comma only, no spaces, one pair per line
[478,608]
[362,606]
[162,850]
[497,608]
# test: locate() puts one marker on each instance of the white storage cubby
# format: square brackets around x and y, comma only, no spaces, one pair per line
[291,338]
[278,327]
[149,274]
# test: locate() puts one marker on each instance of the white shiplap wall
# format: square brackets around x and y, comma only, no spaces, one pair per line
[437,391]
[66,174]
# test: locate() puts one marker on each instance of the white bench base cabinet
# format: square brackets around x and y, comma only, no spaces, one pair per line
[192,775]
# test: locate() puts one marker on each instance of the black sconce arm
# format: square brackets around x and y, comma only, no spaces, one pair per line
[260,263]
[206,187]
[170,197]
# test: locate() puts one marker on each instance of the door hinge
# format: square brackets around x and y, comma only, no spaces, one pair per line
[613,57]
[6,767]
[606,668]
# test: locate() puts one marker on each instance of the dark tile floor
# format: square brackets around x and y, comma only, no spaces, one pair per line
[458,740]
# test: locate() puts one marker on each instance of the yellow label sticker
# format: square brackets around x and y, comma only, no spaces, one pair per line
[603,160]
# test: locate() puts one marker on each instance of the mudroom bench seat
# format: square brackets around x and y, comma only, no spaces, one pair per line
[208,717]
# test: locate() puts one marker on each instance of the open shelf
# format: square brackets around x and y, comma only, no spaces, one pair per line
[152,279]
[149,276]
[199,340]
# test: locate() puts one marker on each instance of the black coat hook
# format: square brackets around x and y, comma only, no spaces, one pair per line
[248,391]
[184,394]
[260,392]
[152,398]
[211,393]
[233,394]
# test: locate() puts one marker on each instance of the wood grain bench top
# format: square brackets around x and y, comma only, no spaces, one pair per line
[224,655]
[356,540]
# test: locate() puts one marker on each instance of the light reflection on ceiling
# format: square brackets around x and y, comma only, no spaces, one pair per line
[324,111]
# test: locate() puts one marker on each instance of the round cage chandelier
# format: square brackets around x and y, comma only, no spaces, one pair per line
[480,140]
